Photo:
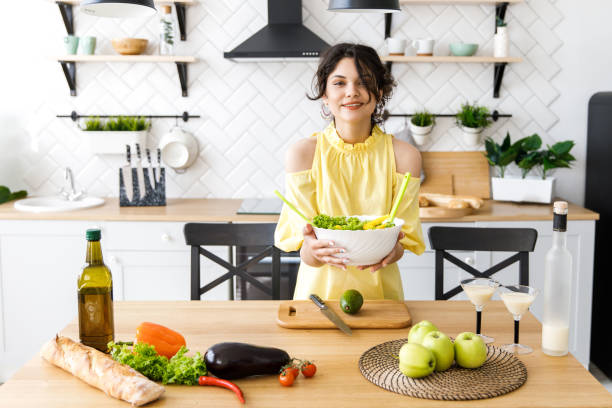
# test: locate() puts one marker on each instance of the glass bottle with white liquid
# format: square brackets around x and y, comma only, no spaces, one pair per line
[557,288]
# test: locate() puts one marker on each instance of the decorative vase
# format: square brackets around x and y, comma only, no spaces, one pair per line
[420,134]
[501,43]
[529,189]
[471,136]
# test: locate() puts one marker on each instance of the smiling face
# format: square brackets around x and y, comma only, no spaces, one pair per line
[347,95]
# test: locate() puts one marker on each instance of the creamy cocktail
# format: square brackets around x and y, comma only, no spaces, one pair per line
[517,299]
[480,291]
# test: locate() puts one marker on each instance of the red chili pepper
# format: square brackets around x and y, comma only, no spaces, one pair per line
[204,380]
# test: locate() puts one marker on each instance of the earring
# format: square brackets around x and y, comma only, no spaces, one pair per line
[325,113]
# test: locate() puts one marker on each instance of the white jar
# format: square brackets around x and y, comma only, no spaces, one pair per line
[501,43]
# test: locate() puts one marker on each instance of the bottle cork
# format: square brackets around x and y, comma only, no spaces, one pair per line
[560,207]
[167,9]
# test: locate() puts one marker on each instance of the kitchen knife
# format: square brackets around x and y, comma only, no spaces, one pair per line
[150,170]
[140,173]
[158,174]
[126,172]
[330,314]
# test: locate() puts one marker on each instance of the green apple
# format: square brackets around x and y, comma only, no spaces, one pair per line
[416,361]
[419,330]
[442,348]
[470,350]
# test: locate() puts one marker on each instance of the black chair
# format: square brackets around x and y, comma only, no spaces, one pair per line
[257,238]
[443,239]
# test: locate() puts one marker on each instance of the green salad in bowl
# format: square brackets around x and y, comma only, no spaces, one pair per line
[350,223]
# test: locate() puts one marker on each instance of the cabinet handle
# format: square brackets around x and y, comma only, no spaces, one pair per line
[166,237]
[469,260]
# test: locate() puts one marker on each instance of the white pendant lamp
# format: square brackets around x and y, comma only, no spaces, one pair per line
[118,8]
[364,6]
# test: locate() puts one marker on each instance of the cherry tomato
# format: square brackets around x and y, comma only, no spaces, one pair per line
[293,369]
[308,369]
[286,378]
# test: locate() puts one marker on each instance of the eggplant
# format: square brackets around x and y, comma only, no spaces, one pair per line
[237,360]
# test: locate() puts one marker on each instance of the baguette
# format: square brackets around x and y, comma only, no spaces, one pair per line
[443,200]
[101,371]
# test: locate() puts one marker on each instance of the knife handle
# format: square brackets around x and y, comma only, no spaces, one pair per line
[158,157]
[138,150]
[318,301]
[149,156]
[128,152]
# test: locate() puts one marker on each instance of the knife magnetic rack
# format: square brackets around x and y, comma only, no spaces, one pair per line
[155,191]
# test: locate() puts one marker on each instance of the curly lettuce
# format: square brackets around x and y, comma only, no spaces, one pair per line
[180,369]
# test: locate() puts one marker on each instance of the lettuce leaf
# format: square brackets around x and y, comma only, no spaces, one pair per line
[142,357]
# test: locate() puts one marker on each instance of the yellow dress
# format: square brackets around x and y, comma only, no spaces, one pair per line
[349,179]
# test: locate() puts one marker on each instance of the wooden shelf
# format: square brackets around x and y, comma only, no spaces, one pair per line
[450,58]
[77,2]
[459,2]
[126,58]
[68,63]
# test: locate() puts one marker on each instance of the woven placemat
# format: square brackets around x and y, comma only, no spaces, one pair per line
[501,373]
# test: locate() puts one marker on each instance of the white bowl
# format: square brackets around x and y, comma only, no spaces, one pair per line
[179,149]
[363,247]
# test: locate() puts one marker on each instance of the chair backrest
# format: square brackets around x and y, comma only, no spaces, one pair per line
[444,239]
[232,235]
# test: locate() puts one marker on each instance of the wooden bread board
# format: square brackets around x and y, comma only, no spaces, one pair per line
[374,314]
[444,212]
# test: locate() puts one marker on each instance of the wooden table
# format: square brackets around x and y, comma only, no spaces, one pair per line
[552,382]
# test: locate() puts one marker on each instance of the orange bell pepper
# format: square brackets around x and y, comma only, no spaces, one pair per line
[166,341]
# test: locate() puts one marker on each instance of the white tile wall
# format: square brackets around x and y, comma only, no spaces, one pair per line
[252,111]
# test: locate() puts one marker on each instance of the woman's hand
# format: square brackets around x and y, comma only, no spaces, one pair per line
[317,252]
[395,255]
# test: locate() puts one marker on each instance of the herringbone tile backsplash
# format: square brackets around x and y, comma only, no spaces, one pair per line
[251,111]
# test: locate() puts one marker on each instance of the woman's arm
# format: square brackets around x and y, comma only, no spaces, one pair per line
[407,158]
[314,252]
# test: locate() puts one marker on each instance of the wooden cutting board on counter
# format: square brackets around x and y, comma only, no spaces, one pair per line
[374,314]
[457,173]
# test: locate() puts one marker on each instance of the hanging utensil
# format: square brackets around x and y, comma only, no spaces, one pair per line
[126,173]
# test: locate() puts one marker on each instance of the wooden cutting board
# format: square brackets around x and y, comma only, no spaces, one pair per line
[374,314]
[457,173]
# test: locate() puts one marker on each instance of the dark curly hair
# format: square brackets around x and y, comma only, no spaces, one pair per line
[372,72]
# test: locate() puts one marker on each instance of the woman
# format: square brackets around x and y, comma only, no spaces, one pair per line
[349,168]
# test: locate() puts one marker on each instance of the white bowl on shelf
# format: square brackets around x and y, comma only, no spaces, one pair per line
[363,247]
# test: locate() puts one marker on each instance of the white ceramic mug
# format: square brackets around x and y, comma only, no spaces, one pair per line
[396,46]
[423,46]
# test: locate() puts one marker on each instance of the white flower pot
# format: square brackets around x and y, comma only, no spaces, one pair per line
[420,134]
[501,43]
[471,136]
[529,189]
[113,142]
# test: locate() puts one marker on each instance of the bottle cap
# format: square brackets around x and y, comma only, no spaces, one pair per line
[560,207]
[167,9]
[93,234]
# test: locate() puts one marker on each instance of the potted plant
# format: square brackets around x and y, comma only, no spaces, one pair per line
[472,119]
[525,154]
[110,137]
[420,126]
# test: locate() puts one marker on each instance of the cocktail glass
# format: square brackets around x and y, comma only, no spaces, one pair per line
[517,299]
[480,291]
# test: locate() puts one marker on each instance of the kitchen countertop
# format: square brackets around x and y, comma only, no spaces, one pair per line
[551,381]
[224,210]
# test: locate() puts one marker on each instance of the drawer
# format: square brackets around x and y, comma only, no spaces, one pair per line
[161,236]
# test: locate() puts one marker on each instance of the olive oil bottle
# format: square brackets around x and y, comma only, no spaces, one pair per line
[95,297]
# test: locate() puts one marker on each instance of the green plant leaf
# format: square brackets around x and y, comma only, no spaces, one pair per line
[561,148]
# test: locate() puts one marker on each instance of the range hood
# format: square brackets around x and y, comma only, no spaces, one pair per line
[284,38]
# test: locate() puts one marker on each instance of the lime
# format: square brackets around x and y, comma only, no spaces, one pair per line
[351,301]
